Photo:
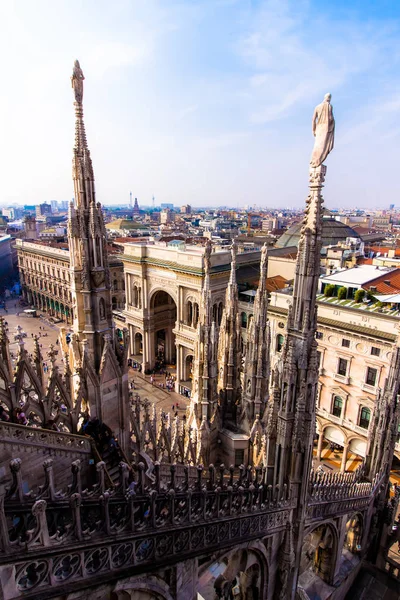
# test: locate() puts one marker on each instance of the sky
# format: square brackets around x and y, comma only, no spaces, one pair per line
[205,102]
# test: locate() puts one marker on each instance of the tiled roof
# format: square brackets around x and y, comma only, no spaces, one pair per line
[393,283]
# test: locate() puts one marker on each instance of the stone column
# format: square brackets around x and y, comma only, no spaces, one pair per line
[344,458]
[146,350]
[319,447]
[178,366]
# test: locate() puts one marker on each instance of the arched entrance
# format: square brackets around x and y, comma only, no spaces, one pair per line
[318,553]
[137,344]
[242,572]
[188,368]
[163,312]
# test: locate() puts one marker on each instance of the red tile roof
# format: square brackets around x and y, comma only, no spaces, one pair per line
[388,283]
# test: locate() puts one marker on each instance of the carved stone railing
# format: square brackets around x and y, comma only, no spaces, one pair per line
[333,494]
[63,537]
[392,568]
[342,422]
[34,436]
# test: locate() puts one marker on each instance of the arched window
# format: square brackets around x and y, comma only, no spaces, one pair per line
[189,313]
[219,313]
[337,406]
[244,319]
[195,314]
[115,284]
[365,417]
[214,312]
[279,342]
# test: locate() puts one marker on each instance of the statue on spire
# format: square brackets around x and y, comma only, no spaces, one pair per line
[323,128]
[77,82]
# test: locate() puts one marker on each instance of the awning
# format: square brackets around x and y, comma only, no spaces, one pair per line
[249,293]
[358,447]
[334,435]
[395,298]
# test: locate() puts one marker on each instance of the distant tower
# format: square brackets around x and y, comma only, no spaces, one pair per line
[130,199]
[136,210]
[153,199]
[31,232]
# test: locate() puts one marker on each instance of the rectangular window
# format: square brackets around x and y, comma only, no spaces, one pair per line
[371,376]
[342,367]
[239,458]
[319,335]
[345,343]
[375,351]
[337,406]
[365,418]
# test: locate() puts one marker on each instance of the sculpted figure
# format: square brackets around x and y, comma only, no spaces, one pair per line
[77,81]
[323,127]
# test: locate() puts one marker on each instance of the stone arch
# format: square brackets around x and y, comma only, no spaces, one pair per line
[163,308]
[143,588]
[245,566]
[334,433]
[319,551]
[357,445]
[158,289]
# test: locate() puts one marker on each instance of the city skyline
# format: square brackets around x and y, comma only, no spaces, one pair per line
[206,103]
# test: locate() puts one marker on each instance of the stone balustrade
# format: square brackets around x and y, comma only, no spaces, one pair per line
[59,536]
[34,436]
[342,422]
[337,493]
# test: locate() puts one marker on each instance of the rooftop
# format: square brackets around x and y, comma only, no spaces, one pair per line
[359,275]
[332,232]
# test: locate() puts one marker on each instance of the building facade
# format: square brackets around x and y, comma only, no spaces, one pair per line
[46,281]
[176,522]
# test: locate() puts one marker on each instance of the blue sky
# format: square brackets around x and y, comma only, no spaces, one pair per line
[205,102]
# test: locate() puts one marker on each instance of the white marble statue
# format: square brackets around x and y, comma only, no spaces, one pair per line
[77,81]
[323,127]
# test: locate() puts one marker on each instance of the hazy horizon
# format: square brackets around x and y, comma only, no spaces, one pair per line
[205,102]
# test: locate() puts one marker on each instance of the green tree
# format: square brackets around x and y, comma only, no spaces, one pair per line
[359,296]
[342,293]
[329,290]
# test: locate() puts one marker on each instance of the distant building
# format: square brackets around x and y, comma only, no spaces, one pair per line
[43,209]
[165,216]
[136,210]
[6,263]
[167,205]
[186,209]
[10,213]
[31,231]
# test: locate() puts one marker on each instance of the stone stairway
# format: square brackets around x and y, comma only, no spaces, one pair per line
[112,460]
